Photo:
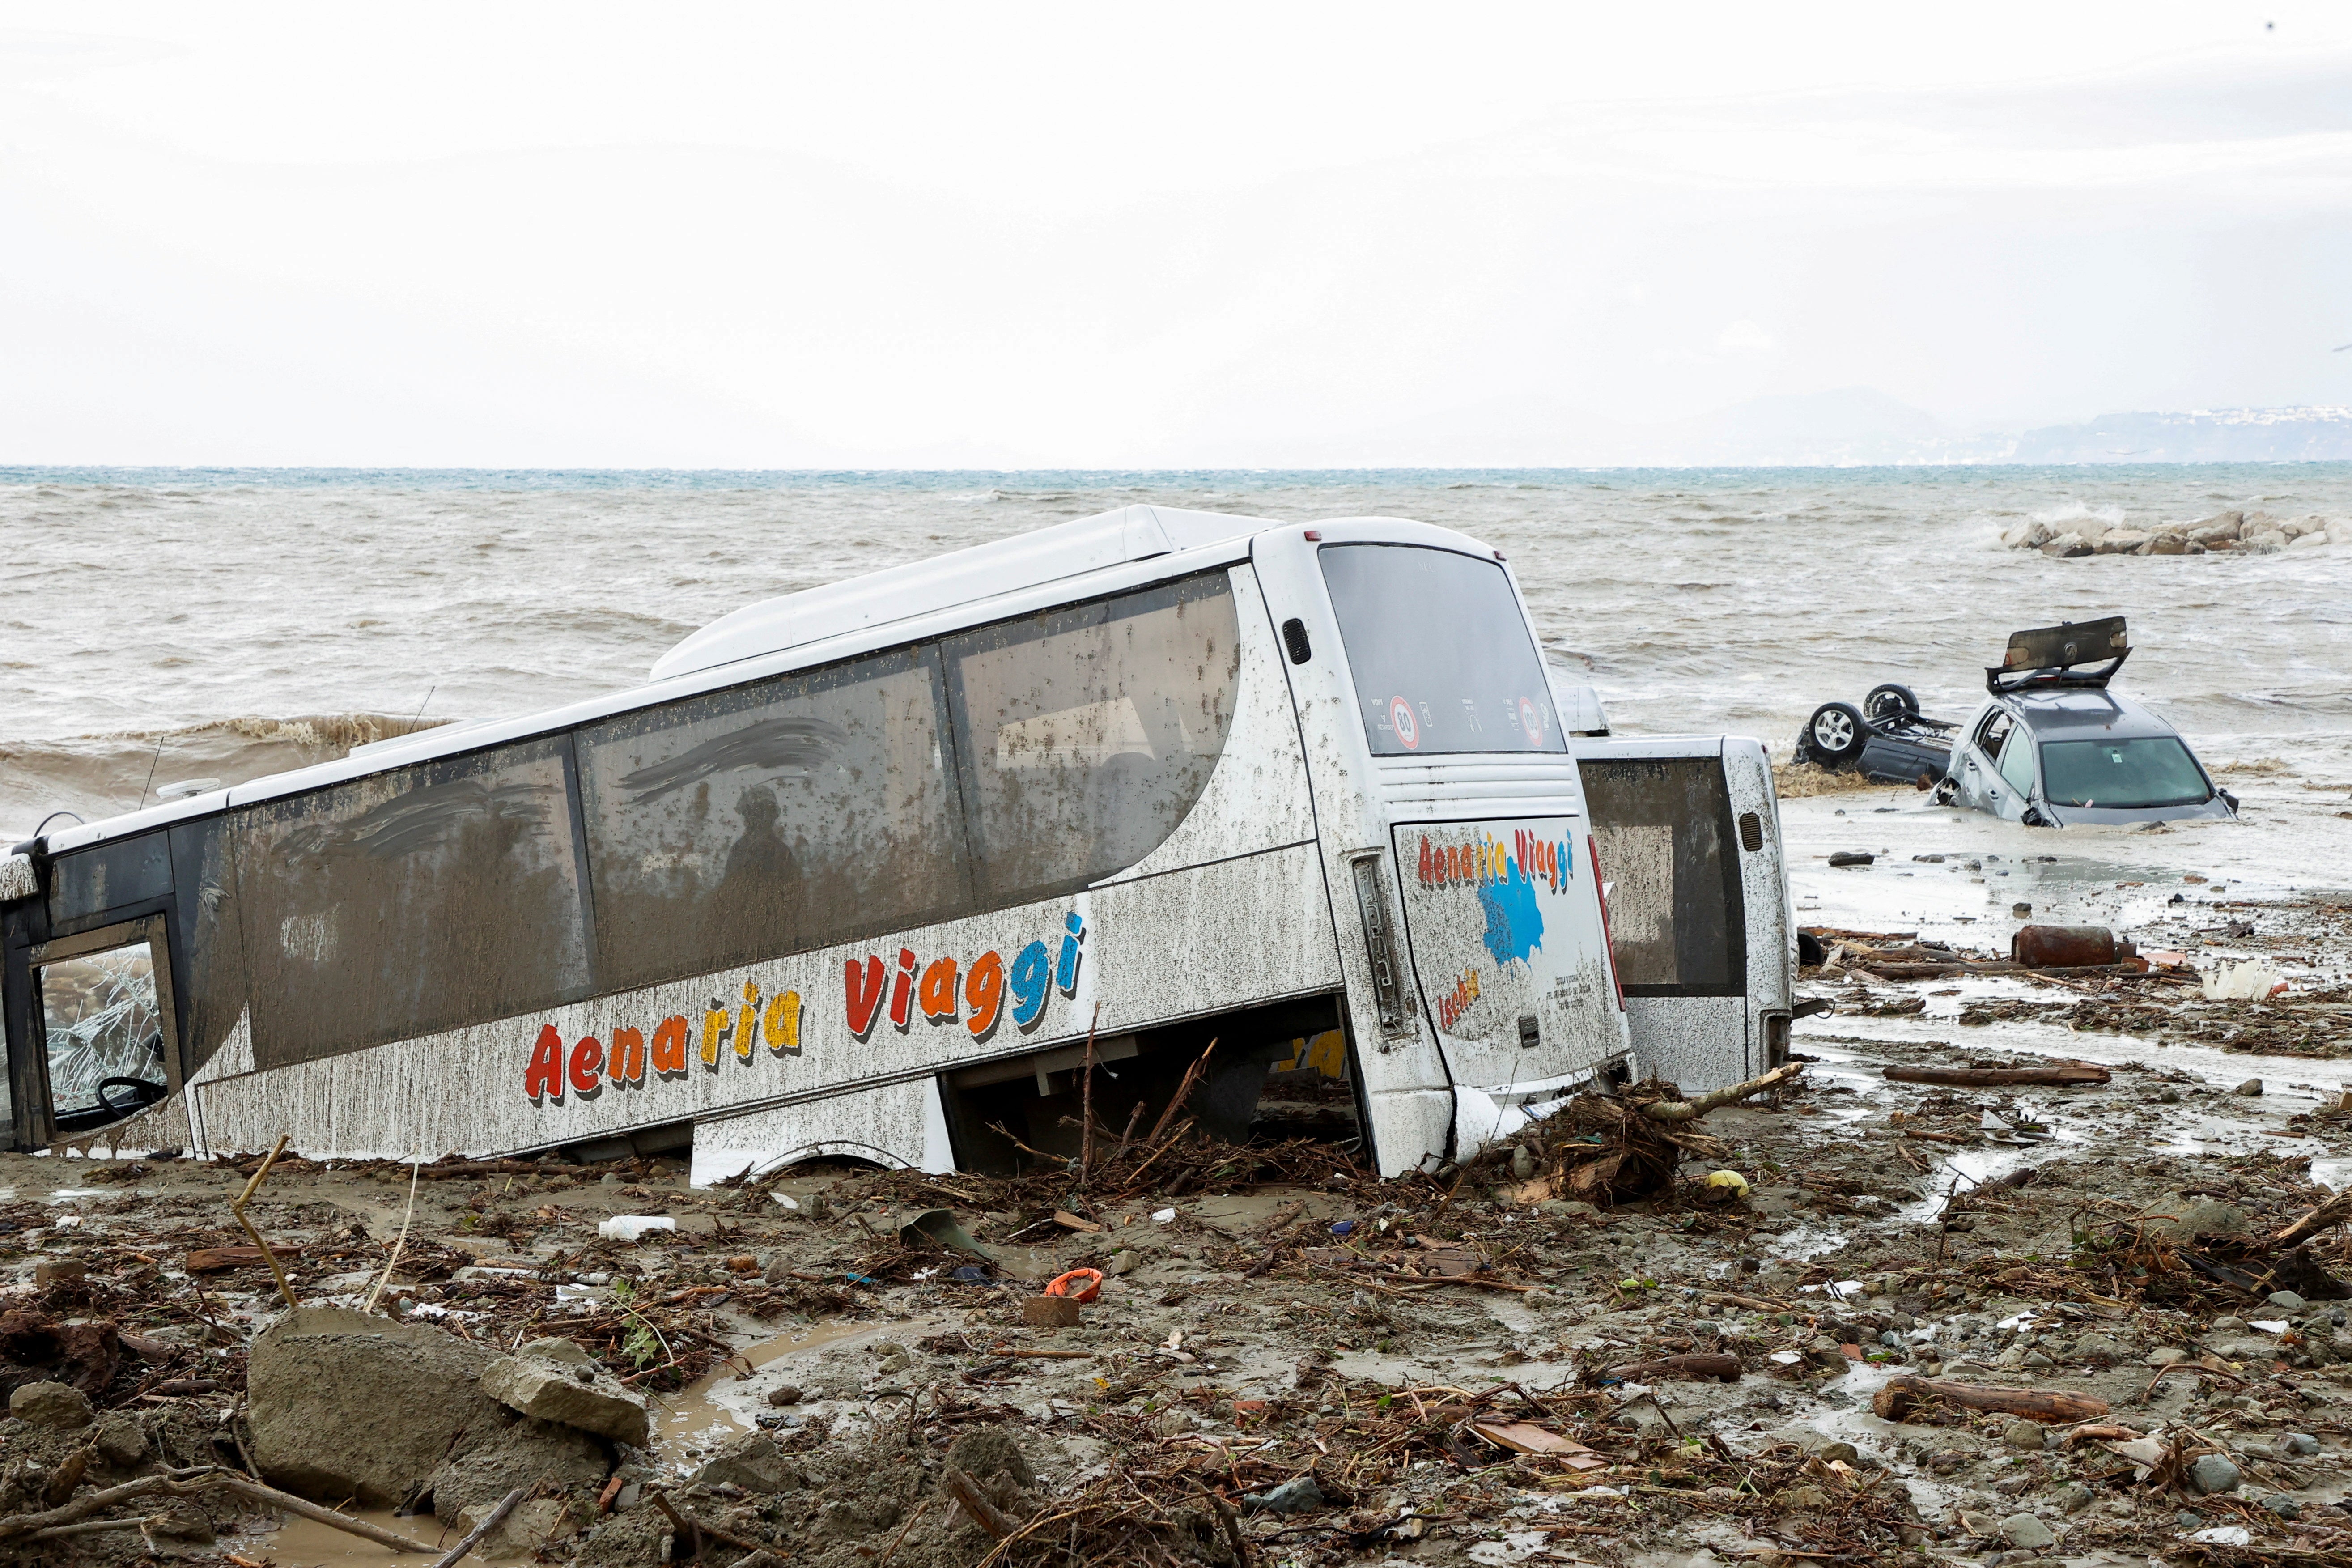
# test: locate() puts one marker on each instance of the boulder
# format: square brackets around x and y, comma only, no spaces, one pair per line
[576,1393]
[2166,545]
[2065,546]
[50,1404]
[515,1451]
[346,1406]
[2122,541]
[2268,542]
[2220,525]
[2300,526]
[2309,541]
[119,1440]
[2026,535]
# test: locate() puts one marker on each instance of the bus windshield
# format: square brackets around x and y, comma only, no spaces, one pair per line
[1442,657]
[2153,771]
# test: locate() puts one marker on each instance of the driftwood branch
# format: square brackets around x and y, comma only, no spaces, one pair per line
[1229,1521]
[2335,1211]
[1903,1394]
[1699,1366]
[188,1482]
[236,1207]
[2062,1074]
[1692,1109]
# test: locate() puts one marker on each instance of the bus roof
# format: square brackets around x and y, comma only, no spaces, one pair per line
[760,640]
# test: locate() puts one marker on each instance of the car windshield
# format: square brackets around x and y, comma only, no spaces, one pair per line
[2153,771]
[1442,657]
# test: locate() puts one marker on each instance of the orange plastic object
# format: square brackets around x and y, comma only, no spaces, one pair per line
[1060,1286]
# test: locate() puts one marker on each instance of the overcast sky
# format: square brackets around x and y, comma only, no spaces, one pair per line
[1179,236]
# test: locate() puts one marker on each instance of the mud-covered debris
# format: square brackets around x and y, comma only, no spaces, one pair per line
[555,1380]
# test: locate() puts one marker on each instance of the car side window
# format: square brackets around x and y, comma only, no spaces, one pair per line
[2017,762]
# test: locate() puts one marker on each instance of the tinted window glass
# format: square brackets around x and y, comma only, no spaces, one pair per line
[769,818]
[410,903]
[1086,733]
[2017,762]
[109,875]
[1662,833]
[2153,771]
[1442,657]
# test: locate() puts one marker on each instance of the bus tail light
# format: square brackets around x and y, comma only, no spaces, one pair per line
[1372,904]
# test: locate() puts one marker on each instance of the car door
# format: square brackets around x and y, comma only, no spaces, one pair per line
[1977,767]
[2016,784]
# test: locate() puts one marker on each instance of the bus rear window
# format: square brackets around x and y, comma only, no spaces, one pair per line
[1663,834]
[1442,657]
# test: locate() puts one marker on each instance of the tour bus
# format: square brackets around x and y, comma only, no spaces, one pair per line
[877,870]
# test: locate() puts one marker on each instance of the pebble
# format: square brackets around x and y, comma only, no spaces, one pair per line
[2281,1504]
[2212,1473]
[2166,1355]
[2026,1435]
[2249,1088]
[2072,1498]
[2026,1533]
[1298,1496]
[2287,1301]
[2301,1444]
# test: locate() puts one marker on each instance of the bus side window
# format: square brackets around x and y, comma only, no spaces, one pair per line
[411,903]
[1085,734]
[769,818]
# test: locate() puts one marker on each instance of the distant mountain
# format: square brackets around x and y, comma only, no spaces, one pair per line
[2201,436]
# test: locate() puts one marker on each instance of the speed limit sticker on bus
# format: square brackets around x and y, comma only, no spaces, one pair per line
[1401,719]
[1531,721]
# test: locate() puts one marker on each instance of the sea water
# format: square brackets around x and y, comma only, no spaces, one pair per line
[159,626]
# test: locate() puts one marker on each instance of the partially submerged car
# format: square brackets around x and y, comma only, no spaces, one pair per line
[2052,746]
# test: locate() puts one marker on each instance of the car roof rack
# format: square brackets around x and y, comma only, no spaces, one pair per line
[2050,656]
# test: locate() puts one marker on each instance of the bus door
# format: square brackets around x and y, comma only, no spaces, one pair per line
[100,1017]
[1687,837]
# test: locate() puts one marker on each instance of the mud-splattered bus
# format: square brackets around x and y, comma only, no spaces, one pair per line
[872,870]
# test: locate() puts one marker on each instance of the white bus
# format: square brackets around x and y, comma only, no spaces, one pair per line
[862,869]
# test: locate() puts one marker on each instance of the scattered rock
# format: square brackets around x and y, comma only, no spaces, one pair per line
[2166,1355]
[581,1394]
[55,1404]
[2026,1533]
[1301,1495]
[1049,1312]
[1567,1208]
[2179,1218]
[2282,1504]
[2287,1301]
[2065,546]
[119,1440]
[50,1270]
[2072,1498]
[532,1524]
[2214,1473]
[2249,1088]
[986,1451]
[1853,857]
[2026,1435]
[789,1394]
[752,1462]
[2301,1445]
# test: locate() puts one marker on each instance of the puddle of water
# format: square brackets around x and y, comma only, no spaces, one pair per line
[724,1405]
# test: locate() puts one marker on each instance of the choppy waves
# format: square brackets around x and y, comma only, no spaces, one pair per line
[142,611]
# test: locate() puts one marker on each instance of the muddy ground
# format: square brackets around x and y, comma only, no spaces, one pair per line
[1318,1367]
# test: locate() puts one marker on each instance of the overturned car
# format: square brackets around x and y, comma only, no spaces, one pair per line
[2052,746]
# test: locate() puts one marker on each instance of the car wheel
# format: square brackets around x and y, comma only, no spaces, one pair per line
[1838,732]
[1890,702]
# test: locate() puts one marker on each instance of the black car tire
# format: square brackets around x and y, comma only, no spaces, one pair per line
[1890,703]
[1838,732]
